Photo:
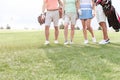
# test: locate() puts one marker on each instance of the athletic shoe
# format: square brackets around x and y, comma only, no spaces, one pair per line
[66,42]
[94,40]
[71,42]
[86,42]
[104,41]
[46,42]
[56,42]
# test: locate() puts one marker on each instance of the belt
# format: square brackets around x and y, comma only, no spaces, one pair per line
[52,9]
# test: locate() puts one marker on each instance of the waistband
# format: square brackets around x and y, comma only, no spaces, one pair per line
[97,4]
[52,9]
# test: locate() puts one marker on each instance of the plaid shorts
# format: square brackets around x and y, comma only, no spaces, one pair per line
[70,17]
[52,16]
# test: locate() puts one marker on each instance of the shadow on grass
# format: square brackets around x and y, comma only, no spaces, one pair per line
[86,61]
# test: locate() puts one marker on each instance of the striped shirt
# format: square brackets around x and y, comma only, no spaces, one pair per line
[86,4]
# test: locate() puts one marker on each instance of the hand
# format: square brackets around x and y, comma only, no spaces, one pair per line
[43,15]
[80,12]
[93,12]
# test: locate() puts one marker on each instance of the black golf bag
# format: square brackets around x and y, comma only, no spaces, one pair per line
[111,14]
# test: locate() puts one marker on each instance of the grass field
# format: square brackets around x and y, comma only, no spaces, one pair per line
[23,56]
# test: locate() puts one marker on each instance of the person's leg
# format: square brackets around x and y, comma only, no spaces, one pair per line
[105,34]
[66,32]
[56,33]
[72,32]
[90,29]
[88,23]
[66,23]
[73,22]
[47,26]
[47,33]
[84,29]
[55,18]
[104,30]
[101,18]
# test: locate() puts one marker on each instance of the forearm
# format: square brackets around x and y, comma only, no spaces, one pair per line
[93,5]
[78,4]
[60,3]
[43,6]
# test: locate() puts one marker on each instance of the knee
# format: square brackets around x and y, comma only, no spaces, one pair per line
[88,28]
[46,28]
[56,28]
[66,27]
[84,28]
[72,28]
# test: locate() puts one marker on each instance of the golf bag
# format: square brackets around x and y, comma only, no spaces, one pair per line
[111,14]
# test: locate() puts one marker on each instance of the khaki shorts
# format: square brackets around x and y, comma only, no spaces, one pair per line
[70,17]
[100,14]
[52,16]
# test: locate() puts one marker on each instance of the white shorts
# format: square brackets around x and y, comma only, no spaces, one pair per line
[70,17]
[100,14]
[52,16]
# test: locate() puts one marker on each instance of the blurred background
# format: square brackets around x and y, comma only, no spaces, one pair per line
[22,14]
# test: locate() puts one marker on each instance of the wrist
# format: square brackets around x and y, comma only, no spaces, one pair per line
[93,11]
[79,11]
[42,13]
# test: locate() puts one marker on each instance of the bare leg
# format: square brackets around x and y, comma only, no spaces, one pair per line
[66,32]
[56,32]
[47,33]
[72,32]
[84,29]
[104,29]
[88,22]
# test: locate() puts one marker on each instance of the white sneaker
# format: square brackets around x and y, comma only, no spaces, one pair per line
[66,42]
[104,41]
[71,42]
[56,42]
[46,42]
[94,40]
[86,42]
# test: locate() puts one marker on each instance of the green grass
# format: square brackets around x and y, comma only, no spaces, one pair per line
[23,56]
